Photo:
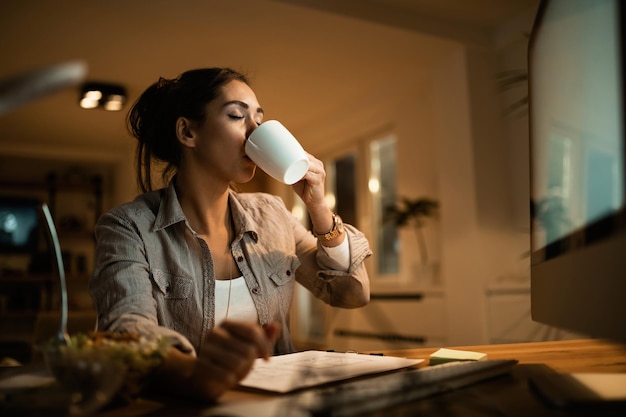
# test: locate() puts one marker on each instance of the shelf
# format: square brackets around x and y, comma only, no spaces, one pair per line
[19,314]
[87,185]
[75,197]
[27,278]
[396,296]
[76,234]
[40,185]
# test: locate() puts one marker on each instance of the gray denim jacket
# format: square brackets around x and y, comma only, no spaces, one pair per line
[154,275]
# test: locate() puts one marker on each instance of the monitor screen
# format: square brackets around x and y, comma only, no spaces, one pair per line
[577,127]
[576,96]
[19,225]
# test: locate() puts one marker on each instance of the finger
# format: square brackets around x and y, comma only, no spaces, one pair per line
[229,350]
[213,367]
[213,377]
[225,367]
[272,330]
[193,376]
[316,168]
[253,334]
[231,366]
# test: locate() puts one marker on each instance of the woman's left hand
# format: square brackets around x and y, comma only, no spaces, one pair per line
[311,187]
[312,192]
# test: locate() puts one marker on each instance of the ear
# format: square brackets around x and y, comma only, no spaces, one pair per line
[185,132]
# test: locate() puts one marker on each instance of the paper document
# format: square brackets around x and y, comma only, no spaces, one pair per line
[293,371]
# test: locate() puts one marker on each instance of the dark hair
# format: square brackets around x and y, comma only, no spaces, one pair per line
[152,119]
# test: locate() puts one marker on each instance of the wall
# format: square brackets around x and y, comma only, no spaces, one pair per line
[456,145]
[479,240]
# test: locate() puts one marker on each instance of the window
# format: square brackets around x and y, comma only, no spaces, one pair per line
[341,179]
[360,195]
[382,188]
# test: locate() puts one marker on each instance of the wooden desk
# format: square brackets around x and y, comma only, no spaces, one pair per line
[588,355]
[484,399]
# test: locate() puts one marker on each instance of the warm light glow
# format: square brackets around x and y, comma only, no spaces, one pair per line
[374,185]
[298,212]
[114,103]
[94,95]
[110,97]
[331,200]
[88,103]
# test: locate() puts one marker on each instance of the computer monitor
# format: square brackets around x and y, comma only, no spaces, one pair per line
[19,225]
[578,179]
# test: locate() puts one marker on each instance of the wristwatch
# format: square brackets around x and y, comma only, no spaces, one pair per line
[334,231]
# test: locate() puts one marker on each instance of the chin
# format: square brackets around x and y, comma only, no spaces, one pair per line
[247,176]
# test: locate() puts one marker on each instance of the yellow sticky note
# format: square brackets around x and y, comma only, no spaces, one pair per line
[451,355]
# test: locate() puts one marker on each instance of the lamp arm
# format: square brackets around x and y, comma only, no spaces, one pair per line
[62,336]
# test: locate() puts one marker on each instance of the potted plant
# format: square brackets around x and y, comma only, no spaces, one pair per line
[412,213]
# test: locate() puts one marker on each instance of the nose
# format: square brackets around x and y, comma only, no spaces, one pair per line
[252,125]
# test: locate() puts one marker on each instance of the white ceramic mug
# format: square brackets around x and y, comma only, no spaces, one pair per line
[277,152]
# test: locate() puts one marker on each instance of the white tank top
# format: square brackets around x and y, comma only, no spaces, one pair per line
[241,306]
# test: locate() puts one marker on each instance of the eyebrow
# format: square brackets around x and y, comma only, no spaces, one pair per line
[242,104]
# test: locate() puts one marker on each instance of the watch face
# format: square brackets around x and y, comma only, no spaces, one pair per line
[336,230]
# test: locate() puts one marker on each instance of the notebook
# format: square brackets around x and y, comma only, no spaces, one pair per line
[290,372]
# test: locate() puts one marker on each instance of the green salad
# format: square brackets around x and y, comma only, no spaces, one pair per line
[137,353]
[89,357]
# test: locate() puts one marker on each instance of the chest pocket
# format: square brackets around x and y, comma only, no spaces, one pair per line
[171,286]
[283,270]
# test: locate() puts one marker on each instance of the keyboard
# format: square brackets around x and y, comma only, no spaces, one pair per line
[360,396]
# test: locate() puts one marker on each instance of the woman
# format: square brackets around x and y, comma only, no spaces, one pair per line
[210,269]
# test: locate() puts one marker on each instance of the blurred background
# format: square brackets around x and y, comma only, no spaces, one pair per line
[402,99]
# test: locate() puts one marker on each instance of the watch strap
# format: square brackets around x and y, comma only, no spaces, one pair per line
[335,230]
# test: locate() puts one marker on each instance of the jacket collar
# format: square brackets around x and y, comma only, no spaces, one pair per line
[170,212]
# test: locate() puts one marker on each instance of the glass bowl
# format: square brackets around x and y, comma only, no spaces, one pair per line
[97,369]
[91,380]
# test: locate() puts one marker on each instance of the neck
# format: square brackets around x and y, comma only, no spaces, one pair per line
[206,208]
[205,204]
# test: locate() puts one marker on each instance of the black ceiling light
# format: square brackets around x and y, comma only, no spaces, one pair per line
[97,95]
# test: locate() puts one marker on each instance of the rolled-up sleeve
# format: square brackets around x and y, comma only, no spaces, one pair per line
[337,287]
[339,256]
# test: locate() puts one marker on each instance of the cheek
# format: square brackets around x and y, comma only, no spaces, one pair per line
[212,138]
[222,150]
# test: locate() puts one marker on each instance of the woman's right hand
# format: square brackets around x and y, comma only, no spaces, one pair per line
[231,349]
